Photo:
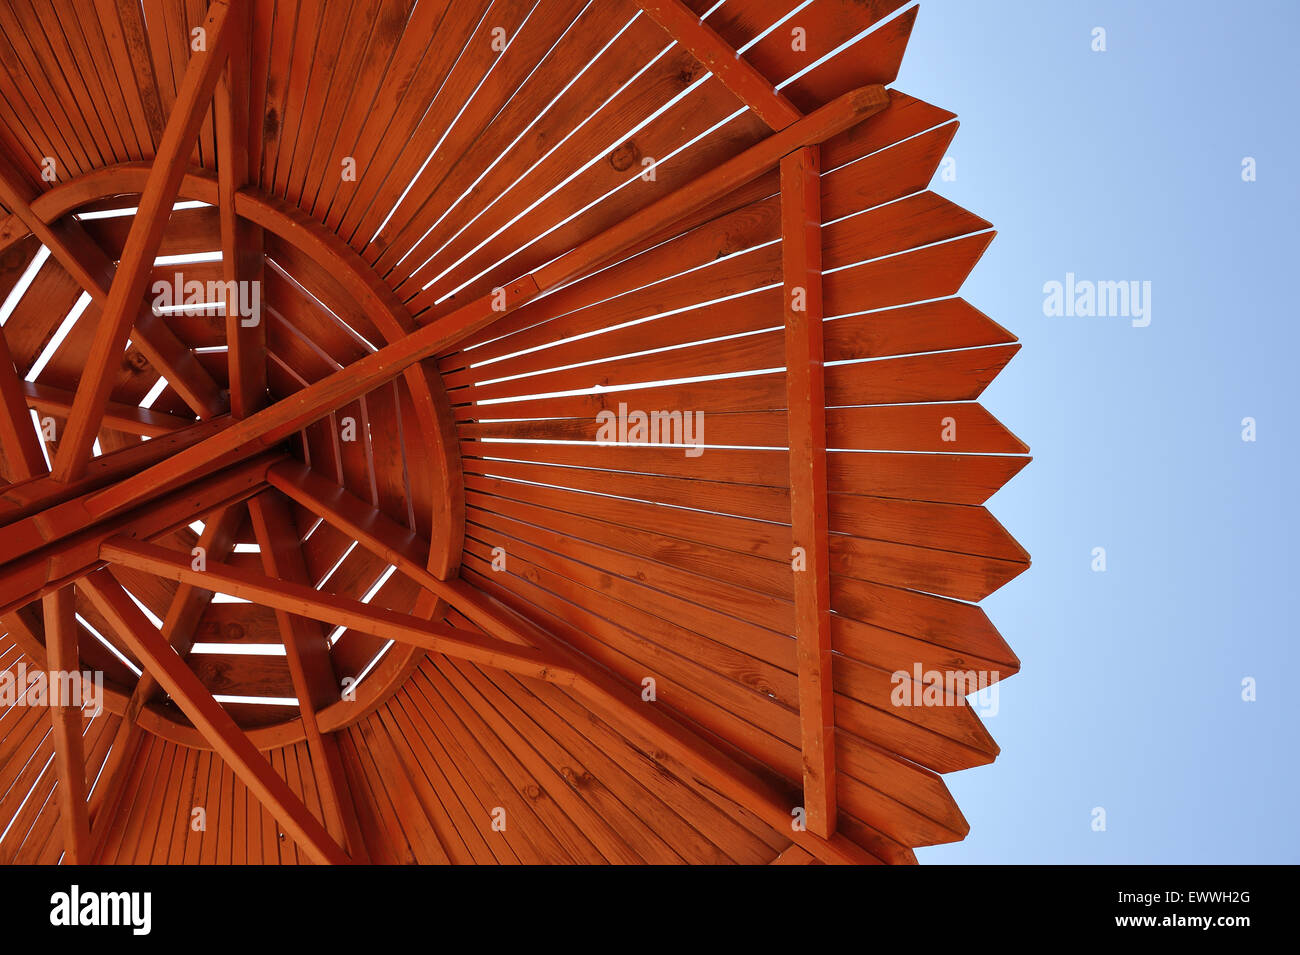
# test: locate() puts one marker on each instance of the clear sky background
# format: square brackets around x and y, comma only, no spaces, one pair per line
[1126,165]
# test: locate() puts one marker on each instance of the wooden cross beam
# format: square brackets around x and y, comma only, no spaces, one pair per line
[277,422]
[208,716]
[734,72]
[27,504]
[46,568]
[132,276]
[187,606]
[607,694]
[310,667]
[242,263]
[74,249]
[306,601]
[801,257]
[65,719]
[119,416]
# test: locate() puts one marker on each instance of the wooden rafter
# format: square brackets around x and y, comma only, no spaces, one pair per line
[732,70]
[306,601]
[208,716]
[18,438]
[606,693]
[242,264]
[312,402]
[46,568]
[179,625]
[69,756]
[314,681]
[119,416]
[801,228]
[154,210]
[74,249]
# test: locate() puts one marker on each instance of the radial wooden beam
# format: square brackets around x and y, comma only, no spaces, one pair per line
[31,503]
[142,242]
[207,715]
[286,417]
[801,257]
[129,419]
[242,263]
[734,72]
[310,667]
[18,439]
[88,264]
[179,625]
[609,695]
[69,755]
[331,608]
[43,569]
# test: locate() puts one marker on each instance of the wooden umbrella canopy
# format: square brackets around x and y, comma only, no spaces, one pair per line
[487,431]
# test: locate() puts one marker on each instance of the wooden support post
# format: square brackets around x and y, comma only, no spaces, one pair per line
[207,715]
[806,401]
[69,755]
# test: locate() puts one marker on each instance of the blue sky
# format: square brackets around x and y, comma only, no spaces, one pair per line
[1126,165]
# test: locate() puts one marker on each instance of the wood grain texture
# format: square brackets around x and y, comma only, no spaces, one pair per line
[381,588]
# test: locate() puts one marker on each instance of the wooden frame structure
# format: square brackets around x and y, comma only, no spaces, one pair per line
[361,579]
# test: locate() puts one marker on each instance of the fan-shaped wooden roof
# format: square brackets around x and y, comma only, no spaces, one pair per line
[452,622]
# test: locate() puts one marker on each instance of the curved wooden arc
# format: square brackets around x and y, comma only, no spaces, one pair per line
[446,483]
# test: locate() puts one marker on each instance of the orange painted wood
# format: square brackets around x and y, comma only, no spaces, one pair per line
[69,756]
[178,628]
[117,415]
[128,285]
[285,418]
[241,240]
[44,569]
[737,74]
[315,683]
[86,261]
[18,438]
[330,608]
[234,747]
[793,856]
[801,227]
[374,530]
[626,561]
